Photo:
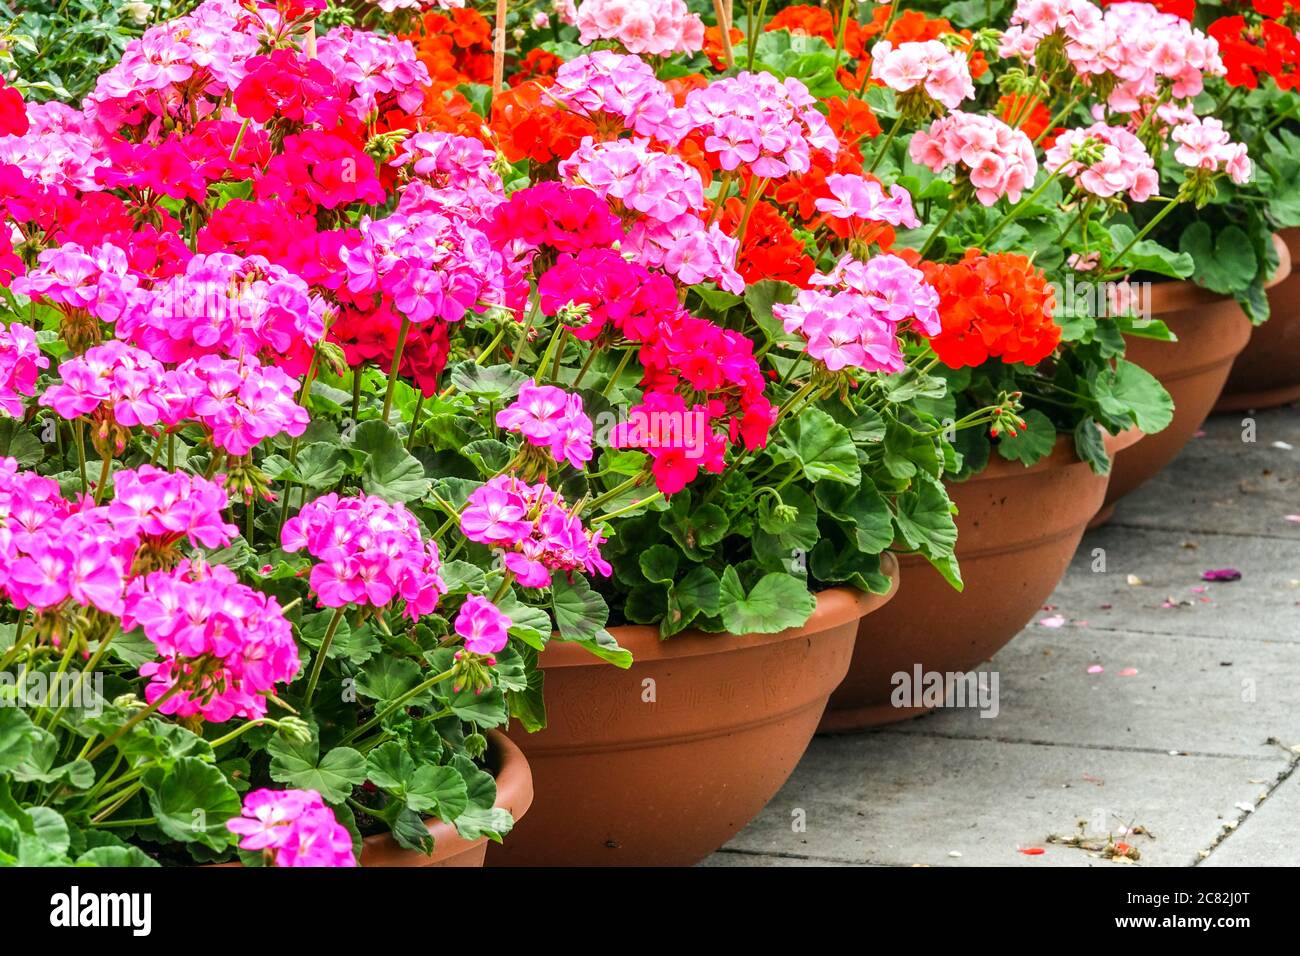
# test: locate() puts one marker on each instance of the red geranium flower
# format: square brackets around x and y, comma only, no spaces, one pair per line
[13,112]
[997,306]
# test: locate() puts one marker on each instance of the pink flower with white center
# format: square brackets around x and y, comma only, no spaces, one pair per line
[294,827]
[856,197]
[896,293]
[655,184]
[483,626]
[20,362]
[118,377]
[687,248]
[842,330]
[998,160]
[550,418]
[241,403]
[606,86]
[368,551]
[927,67]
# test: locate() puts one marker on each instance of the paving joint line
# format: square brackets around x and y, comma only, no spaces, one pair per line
[1028,741]
[1226,833]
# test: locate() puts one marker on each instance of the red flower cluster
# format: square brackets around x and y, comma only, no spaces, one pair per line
[1249,51]
[527,123]
[816,22]
[770,249]
[997,306]
[455,46]
[13,112]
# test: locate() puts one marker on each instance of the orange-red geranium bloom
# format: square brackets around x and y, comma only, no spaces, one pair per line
[996,306]
[771,250]
[455,46]
[528,123]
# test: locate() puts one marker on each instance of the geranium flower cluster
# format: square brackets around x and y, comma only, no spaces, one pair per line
[294,827]
[655,27]
[20,362]
[636,178]
[755,122]
[551,418]
[224,646]
[52,550]
[1141,47]
[483,626]
[619,92]
[927,74]
[996,159]
[228,305]
[430,266]
[1204,144]
[992,306]
[554,216]
[856,322]
[1105,161]
[368,552]
[857,197]
[1252,51]
[163,507]
[535,529]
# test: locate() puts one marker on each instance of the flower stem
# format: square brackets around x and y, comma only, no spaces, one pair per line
[1015,210]
[939,227]
[397,361]
[884,145]
[321,653]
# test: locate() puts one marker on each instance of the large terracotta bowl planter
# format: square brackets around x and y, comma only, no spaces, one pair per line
[1267,372]
[1212,330]
[661,764]
[1017,529]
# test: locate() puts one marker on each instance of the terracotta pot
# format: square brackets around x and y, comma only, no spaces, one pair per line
[1212,330]
[514,793]
[1267,372]
[624,780]
[1017,528]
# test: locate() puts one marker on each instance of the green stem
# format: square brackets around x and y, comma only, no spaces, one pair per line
[1015,210]
[321,653]
[1155,221]
[397,361]
[884,145]
[939,227]
[398,704]
[610,515]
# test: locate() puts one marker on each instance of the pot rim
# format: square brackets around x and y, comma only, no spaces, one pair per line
[1061,456]
[514,793]
[1178,295]
[835,607]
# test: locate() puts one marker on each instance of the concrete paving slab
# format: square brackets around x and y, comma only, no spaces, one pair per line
[1222,483]
[1270,836]
[905,799]
[1154,692]
[1171,598]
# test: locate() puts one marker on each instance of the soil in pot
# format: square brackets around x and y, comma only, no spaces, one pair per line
[661,764]
[1212,330]
[1017,528]
[514,793]
[1267,372]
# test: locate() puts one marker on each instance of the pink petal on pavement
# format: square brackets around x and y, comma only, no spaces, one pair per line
[1054,621]
[1095,669]
[1128,672]
[1221,574]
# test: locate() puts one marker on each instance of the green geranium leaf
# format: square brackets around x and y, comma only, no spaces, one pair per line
[192,800]
[438,790]
[389,471]
[862,507]
[1225,263]
[495,383]
[695,528]
[777,602]
[301,766]
[1032,443]
[1129,392]
[659,563]
[924,518]
[822,446]
[116,856]
[1090,447]
[580,613]
[18,736]
[487,709]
